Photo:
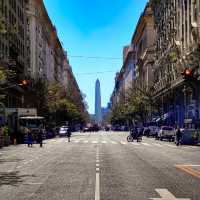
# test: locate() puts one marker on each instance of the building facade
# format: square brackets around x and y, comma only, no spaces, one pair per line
[13,48]
[42,39]
[138,59]
[143,41]
[178,49]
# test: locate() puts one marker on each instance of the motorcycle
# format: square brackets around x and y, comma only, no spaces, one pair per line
[133,136]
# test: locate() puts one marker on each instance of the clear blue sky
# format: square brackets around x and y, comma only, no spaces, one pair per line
[95,28]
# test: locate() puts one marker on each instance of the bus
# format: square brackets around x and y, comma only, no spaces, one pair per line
[35,124]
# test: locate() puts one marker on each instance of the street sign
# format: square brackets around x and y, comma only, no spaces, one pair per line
[166,195]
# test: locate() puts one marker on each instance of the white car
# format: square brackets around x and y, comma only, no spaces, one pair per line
[166,132]
[63,131]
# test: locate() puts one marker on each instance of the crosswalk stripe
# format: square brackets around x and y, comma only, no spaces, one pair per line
[77,141]
[159,145]
[169,145]
[146,144]
[113,142]
[103,142]
[136,144]
[94,142]
[123,142]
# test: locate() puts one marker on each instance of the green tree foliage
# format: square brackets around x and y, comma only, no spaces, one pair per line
[139,104]
[63,107]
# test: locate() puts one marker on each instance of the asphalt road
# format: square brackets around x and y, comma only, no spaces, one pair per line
[100,166]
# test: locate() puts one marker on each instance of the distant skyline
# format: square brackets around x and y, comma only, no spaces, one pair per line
[96,29]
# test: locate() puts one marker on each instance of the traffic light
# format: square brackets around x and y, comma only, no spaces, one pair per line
[23,83]
[188,73]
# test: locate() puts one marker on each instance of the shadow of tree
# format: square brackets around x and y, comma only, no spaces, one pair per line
[12,178]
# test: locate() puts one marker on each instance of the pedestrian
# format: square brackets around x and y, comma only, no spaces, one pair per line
[69,133]
[40,137]
[30,138]
[178,136]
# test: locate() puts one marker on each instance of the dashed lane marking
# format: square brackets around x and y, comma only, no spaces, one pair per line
[103,142]
[94,142]
[97,187]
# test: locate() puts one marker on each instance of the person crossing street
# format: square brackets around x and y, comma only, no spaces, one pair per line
[178,136]
[69,133]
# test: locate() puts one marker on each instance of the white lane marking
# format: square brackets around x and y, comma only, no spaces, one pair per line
[97,169]
[166,195]
[103,142]
[97,165]
[97,187]
[26,162]
[94,142]
[86,141]
[159,145]
[97,160]
[77,141]
[113,142]
[18,167]
[146,144]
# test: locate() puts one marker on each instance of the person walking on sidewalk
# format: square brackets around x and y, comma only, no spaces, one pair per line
[178,136]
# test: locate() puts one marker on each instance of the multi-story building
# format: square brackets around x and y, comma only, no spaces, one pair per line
[137,68]
[42,39]
[143,41]
[13,47]
[129,68]
[178,49]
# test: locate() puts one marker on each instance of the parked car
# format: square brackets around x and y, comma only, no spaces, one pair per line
[166,132]
[63,131]
[153,131]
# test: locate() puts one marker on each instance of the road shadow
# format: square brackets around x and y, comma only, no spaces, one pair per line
[13,178]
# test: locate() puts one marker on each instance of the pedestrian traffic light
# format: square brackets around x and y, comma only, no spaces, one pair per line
[188,73]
